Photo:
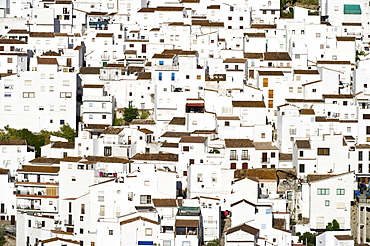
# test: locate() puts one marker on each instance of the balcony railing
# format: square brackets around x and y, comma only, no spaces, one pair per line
[234,157]
[105,57]
[265,160]
[245,157]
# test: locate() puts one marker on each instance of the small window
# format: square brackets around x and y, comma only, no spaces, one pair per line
[340,191]
[110,232]
[148,232]
[327,203]
[323,151]
[185,148]
[227,123]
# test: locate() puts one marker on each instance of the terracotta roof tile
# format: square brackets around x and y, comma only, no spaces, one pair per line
[256,35]
[186,223]
[214,7]
[343,237]
[38,169]
[246,228]
[156,157]
[104,35]
[177,121]
[42,34]
[13,142]
[4,171]
[351,24]
[298,71]
[106,159]
[165,202]
[63,145]
[263,26]
[207,23]
[142,122]
[276,56]
[238,143]
[144,76]
[175,134]
[90,70]
[138,218]
[18,31]
[145,131]
[285,157]
[228,118]
[250,55]
[234,60]
[270,73]
[303,144]
[307,111]
[346,39]
[170,145]
[191,139]
[47,61]
[11,41]
[51,53]
[86,86]
[334,62]
[112,130]
[264,146]
[249,104]
[46,160]
[317,177]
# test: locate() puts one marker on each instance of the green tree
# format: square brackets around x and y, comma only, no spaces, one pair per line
[130,114]
[67,132]
[332,226]
[214,242]
[144,115]
[308,237]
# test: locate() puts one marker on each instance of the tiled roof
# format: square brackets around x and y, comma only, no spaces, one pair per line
[276,56]
[263,26]
[238,143]
[263,174]
[250,55]
[47,61]
[50,53]
[363,146]
[138,218]
[214,7]
[135,69]
[207,23]
[38,169]
[4,171]
[249,104]
[106,159]
[279,223]
[334,62]
[61,232]
[264,146]
[90,70]
[145,131]
[338,95]
[18,31]
[95,126]
[317,177]
[285,157]
[166,8]
[60,239]
[144,75]
[175,134]
[190,139]
[303,144]
[130,52]
[270,73]
[306,71]
[188,53]
[307,111]
[256,35]
[177,121]
[343,237]
[246,228]
[46,160]
[170,145]
[63,145]
[42,34]
[11,41]
[351,24]
[112,130]
[93,86]
[346,39]
[156,157]
[104,35]
[187,223]
[228,118]
[235,60]
[189,1]
[163,56]
[166,202]
[13,142]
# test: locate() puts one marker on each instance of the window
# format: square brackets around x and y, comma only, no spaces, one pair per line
[227,123]
[66,95]
[321,191]
[172,76]
[51,76]
[7,94]
[229,18]
[360,168]
[327,203]
[73,178]
[265,82]
[323,151]
[271,94]
[367,130]
[81,231]
[82,208]
[318,35]
[270,103]
[145,199]
[199,77]
[61,122]
[241,18]
[340,191]
[41,108]
[360,156]
[200,177]
[264,12]
[102,210]
[185,148]
[233,166]
[110,232]
[28,94]
[301,168]
[104,116]
[159,76]
[233,155]
[10,60]
[107,151]
[245,155]
[130,196]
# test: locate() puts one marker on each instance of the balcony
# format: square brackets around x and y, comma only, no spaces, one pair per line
[98,23]
[234,157]
[245,157]
[166,67]
[265,160]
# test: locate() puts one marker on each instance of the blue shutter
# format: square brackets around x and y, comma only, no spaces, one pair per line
[159,76]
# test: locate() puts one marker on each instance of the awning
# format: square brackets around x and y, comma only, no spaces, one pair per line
[352,9]
[195,105]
